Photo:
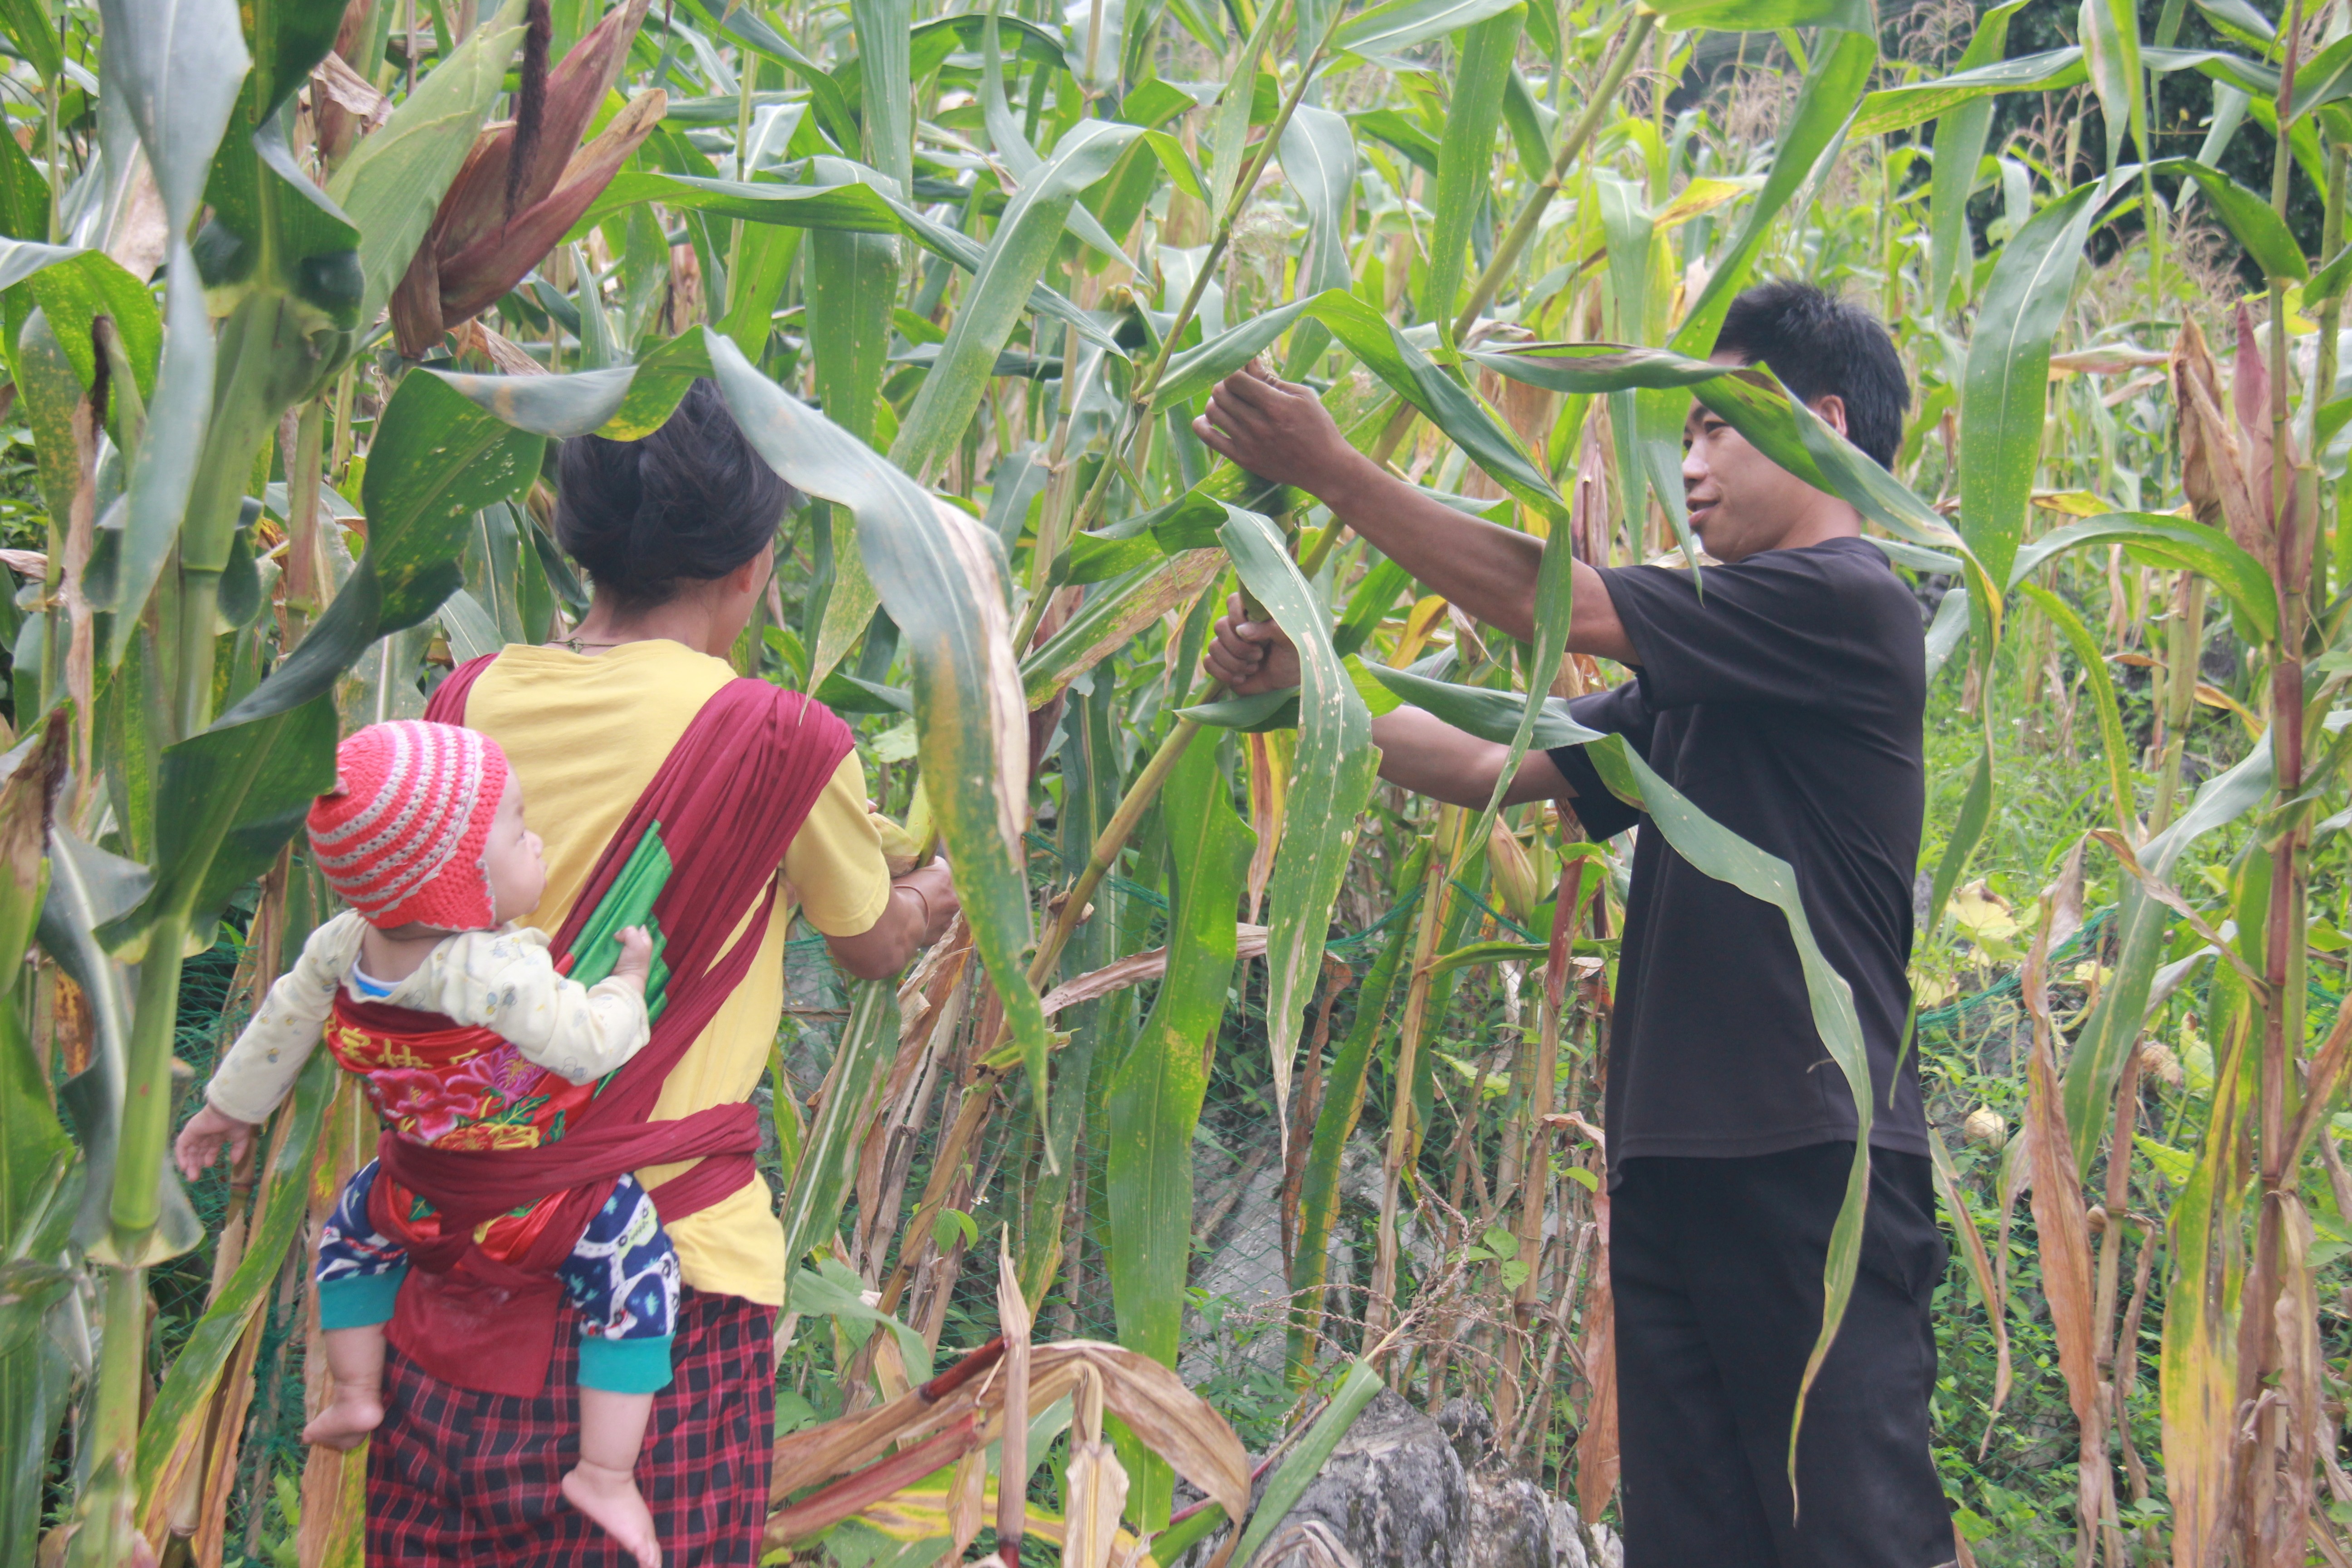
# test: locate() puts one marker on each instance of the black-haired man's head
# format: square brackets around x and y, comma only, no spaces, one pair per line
[1838,359]
[1822,346]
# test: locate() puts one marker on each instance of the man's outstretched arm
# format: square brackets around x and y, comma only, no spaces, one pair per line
[1419,751]
[1423,753]
[1280,431]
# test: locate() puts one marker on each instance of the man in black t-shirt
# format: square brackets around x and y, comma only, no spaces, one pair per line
[1785,701]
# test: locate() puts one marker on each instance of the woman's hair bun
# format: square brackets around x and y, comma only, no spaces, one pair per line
[690,502]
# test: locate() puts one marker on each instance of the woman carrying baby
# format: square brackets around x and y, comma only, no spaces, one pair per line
[705,809]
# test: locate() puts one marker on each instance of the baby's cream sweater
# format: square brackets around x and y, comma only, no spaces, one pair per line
[503,981]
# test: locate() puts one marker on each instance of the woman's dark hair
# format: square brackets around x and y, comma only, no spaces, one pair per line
[1822,346]
[689,502]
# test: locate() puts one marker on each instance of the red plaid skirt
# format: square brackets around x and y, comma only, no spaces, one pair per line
[463,1477]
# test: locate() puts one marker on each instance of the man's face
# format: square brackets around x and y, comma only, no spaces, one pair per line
[1740,500]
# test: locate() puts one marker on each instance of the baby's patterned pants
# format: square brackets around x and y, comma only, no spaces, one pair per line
[622,1276]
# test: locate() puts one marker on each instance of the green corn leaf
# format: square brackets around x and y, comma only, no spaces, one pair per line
[2172,542]
[1479,953]
[1833,85]
[2240,21]
[887,99]
[177,66]
[2329,282]
[2325,78]
[2114,1023]
[2249,218]
[1230,134]
[1754,403]
[743,24]
[1915,103]
[832,1289]
[1723,855]
[1306,1461]
[1587,369]
[851,204]
[938,574]
[1112,615]
[1025,239]
[438,459]
[29,28]
[756,288]
[229,797]
[1465,157]
[1770,417]
[227,801]
[1961,131]
[1760,16]
[171,1437]
[622,403]
[1318,158]
[34,1383]
[2110,34]
[2250,77]
[395,179]
[1968,828]
[1729,858]
[1628,234]
[89,887]
[1399,25]
[821,1178]
[2005,390]
[1490,715]
[1332,774]
[1950,625]
[852,281]
[20,259]
[2103,700]
[1154,1097]
[1335,1123]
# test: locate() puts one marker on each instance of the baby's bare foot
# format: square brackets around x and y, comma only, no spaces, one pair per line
[611,1498]
[346,1423]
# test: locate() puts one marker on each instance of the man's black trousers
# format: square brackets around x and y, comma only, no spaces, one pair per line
[1717,1270]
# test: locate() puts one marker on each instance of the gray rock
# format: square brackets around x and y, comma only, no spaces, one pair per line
[1470,1428]
[1396,1494]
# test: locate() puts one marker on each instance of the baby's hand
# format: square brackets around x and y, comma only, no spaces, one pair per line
[637,955]
[201,1139]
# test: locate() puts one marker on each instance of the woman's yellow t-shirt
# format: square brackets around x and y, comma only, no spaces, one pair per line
[584,736]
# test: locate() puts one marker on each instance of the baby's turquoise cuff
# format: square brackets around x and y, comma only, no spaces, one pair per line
[625,1366]
[358,1300]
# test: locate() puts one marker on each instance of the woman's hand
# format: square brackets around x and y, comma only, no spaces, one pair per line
[935,888]
[922,904]
[202,1139]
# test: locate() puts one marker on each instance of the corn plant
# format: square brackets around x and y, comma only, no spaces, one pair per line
[298,293]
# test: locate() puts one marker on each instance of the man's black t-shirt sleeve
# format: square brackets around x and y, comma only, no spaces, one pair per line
[1780,629]
[1617,712]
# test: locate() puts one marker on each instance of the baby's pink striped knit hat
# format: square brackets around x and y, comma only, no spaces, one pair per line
[401,835]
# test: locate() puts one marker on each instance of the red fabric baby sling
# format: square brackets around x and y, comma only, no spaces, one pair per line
[723,807]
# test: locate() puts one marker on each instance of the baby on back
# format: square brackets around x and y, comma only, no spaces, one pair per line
[466,1036]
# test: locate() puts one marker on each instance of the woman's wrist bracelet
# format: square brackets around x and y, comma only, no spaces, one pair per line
[921,898]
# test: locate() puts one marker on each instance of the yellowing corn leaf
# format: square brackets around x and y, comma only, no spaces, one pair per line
[1418,624]
[1095,1492]
[1012,1457]
[2074,503]
[1170,1418]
